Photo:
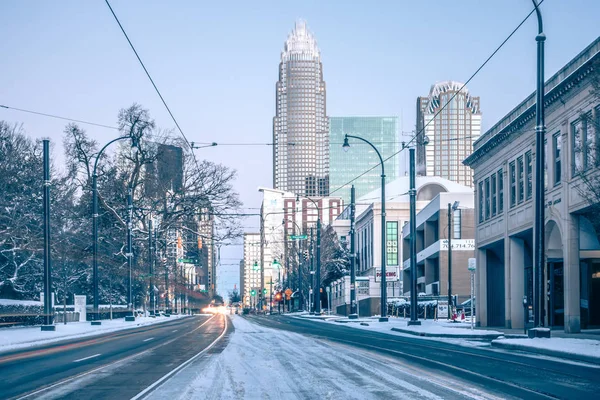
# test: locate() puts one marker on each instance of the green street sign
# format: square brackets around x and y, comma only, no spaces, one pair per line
[298,237]
[187,260]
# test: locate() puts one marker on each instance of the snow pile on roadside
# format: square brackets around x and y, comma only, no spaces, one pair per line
[18,337]
[10,302]
[581,347]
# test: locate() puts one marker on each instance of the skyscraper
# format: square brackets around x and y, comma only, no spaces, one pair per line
[451,132]
[345,166]
[300,125]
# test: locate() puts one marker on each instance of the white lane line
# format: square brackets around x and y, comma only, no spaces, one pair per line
[87,358]
[175,330]
[146,340]
[159,382]
[115,363]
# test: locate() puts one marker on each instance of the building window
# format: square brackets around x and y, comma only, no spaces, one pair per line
[582,142]
[480,194]
[513,184]
[494,189]
[456,220]
[487,198]
[528,175]
[556,145]
[392,243]
[500,192]
[520,179]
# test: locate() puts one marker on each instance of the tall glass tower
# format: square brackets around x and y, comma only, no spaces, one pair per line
[345,166]
[300,125]
[451,131]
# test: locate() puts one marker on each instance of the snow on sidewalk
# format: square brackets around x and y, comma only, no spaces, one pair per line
[19,337]
[266,363]
[576,349]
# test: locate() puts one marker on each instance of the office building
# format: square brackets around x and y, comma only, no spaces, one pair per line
[450,130]
[300,126]
[252,278]
[346,166]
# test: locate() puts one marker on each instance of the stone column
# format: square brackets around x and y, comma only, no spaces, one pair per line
[517,284]
[571,274]
[481,287]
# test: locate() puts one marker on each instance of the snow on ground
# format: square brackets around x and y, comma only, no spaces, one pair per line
[265,363]
[9,302]
[581,347]
[19,337]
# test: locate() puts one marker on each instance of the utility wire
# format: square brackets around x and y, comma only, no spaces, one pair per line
[59,117]
[449,101]
[150,78]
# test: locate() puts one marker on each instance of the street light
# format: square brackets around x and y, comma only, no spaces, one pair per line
[134,144]
[540,134]
[317,297]
[346,146]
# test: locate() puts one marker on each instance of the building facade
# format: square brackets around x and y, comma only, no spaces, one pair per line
[284,214]
[300,125]
[433,250]
[252,273]
[368,233]
[503,161]
[451,131]
[346,166]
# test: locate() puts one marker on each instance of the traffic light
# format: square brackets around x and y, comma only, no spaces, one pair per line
[199,243]
[253,292]
[179,242]
[306,255]
[255,266]
[278,296]
[265,291]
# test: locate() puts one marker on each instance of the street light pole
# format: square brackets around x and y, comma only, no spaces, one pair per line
[95,225]
[540,130]
[353,314]
[414,320]
[450,261]
[129,247]
[48,310]
[346,146]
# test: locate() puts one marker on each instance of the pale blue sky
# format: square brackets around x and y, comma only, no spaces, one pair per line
[216,64]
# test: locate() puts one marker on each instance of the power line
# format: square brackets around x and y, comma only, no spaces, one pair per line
[451,98]
[150,78]
[59,117]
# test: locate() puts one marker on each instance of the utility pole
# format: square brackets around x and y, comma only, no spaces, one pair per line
[130,248]
[450,261]
[318,271]
[413,240]
[287,262]
[150,261]
[312,271]
[48,311]
[353,314]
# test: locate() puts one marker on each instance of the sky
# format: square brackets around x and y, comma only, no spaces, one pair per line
[216,64]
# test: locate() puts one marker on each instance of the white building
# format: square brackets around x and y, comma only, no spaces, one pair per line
[252,275]
[368,231]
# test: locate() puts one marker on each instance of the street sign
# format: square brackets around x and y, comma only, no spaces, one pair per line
[298,237]
[472,264]
[187,260]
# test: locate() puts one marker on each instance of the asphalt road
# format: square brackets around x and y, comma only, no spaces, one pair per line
[116,365]
[499,372]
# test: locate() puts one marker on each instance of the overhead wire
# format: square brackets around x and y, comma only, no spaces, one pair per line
[449,101]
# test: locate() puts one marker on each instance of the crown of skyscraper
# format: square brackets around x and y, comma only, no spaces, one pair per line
[300,44]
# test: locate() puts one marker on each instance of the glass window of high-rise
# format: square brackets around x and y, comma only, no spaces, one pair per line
[360,158]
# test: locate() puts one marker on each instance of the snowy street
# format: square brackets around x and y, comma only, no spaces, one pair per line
[265,363]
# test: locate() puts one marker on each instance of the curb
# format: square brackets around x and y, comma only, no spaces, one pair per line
[487,336]
[547,352]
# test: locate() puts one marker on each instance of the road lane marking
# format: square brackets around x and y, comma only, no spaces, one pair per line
[72,378]
[159,382]
[146,340]
[87,358]
[175,330]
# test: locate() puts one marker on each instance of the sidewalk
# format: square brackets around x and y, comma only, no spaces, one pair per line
[587,350]
[19,337]
[577,347]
